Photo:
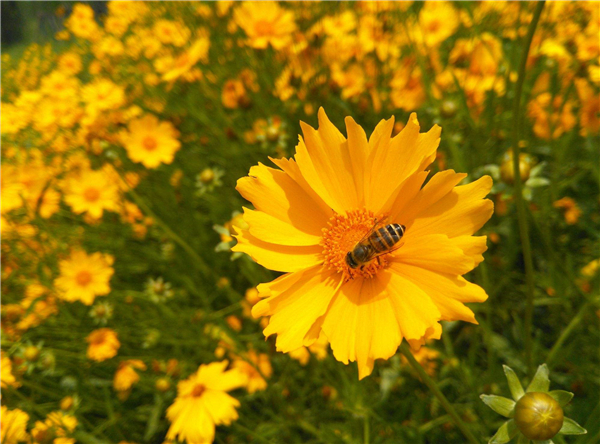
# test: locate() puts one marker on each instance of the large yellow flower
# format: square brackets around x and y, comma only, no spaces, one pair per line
[14,423]
[83,277]
[313,210]
[202,403]
[150,141]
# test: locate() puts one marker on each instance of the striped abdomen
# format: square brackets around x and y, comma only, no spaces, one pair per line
[386,237]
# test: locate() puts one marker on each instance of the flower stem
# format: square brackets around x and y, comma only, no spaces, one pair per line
[518,192]
[405,350]
[566,332]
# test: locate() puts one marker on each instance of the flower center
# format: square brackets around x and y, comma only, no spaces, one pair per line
[149,143]
[343,234]
[263,27]
[91,194]
[198,390]
[83,278]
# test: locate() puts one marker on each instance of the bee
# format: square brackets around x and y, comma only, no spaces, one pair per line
[376,242]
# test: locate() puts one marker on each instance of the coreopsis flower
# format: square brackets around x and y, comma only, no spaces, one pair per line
[265,23]
[318,206]
[438,21]
[535,414]
[572,212]
[55,429]
[83,277]
[7,378]
[103,344]
[202,403]
[188,59]
[151,142]
[126,375]
[14,424]
[256,367]
[318,348]
[91,192]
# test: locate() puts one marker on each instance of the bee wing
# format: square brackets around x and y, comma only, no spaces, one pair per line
[385,252]
[376,225]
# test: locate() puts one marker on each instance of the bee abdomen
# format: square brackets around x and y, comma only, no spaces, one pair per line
[386,237]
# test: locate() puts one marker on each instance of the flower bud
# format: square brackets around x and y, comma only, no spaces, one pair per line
[31,353]
[507,170]
[163,384]
[538,416]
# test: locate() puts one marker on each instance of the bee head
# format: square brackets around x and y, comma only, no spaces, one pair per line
[350,260]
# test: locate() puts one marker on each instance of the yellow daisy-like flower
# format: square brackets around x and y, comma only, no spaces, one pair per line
[256,367]
[83,277]
[126,375]
[151,142]
[14,423]
[188,59]
[318,206]
[91,192]
[6,375]
[202,403]
[265,23]
[103,344]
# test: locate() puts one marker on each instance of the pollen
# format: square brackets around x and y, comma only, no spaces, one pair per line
[342,234]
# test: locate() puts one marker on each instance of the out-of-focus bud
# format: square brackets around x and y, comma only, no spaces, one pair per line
[507,171]
[207,175]
[66,403]
[31,353]
[538,416]
[162,384]
[448,108]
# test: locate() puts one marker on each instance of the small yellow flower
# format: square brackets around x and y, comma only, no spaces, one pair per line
[256,367]
[202,403]
[7,378]
[150,141]
[103,344]
[188,59]
[91,192]
[83,277]
[126,375]
[571,210]
[265,23]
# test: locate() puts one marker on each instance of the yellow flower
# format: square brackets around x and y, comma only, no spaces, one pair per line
[314,210]
[572,211]
[319,348]
[103,344]
[91,192]
[102,94]
[83,277]
[81,22]
[202,403]
[256,367]
[170,32]
[438,21]
[150,141]
[55,429]
[14,423]
[265,23]
[6,375]
[126,376]
[186,61]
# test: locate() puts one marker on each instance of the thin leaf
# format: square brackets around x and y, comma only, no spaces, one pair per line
[516,389]
[561,396]
[500,404]
[570,427]
[505,433]
[522,439]
[536,182]
[540,382]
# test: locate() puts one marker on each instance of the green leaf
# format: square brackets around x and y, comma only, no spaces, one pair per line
[516,389]
[561,396]
[570,427]
[540,382]
[536,182]
[522,439]
[500,404]
[505,433]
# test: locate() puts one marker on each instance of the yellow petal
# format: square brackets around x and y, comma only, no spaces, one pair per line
[270,229]
[434,252]
[278,257]
[277,194]
[358,148]
[448,293]
[361,325]
[294,311]
[220,406]
[402,196]
[414,309]
[463,211]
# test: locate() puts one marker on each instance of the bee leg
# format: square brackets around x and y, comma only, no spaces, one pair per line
[378,260]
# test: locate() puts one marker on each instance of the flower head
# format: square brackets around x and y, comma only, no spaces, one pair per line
[91,192]
[257,367]
[14,423]
[318,206]
[202,403]
[265,23]
[151,142]
[83,277]
[103,344]
[535,414]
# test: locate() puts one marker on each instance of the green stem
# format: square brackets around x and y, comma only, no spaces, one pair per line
[518,192]
[405,350]
[366,430]
[566,332]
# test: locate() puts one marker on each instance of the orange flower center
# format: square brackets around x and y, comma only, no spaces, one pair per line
[344,232]
[91,194]
[83,278]
[198,390]
[149,143]
[264,27]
